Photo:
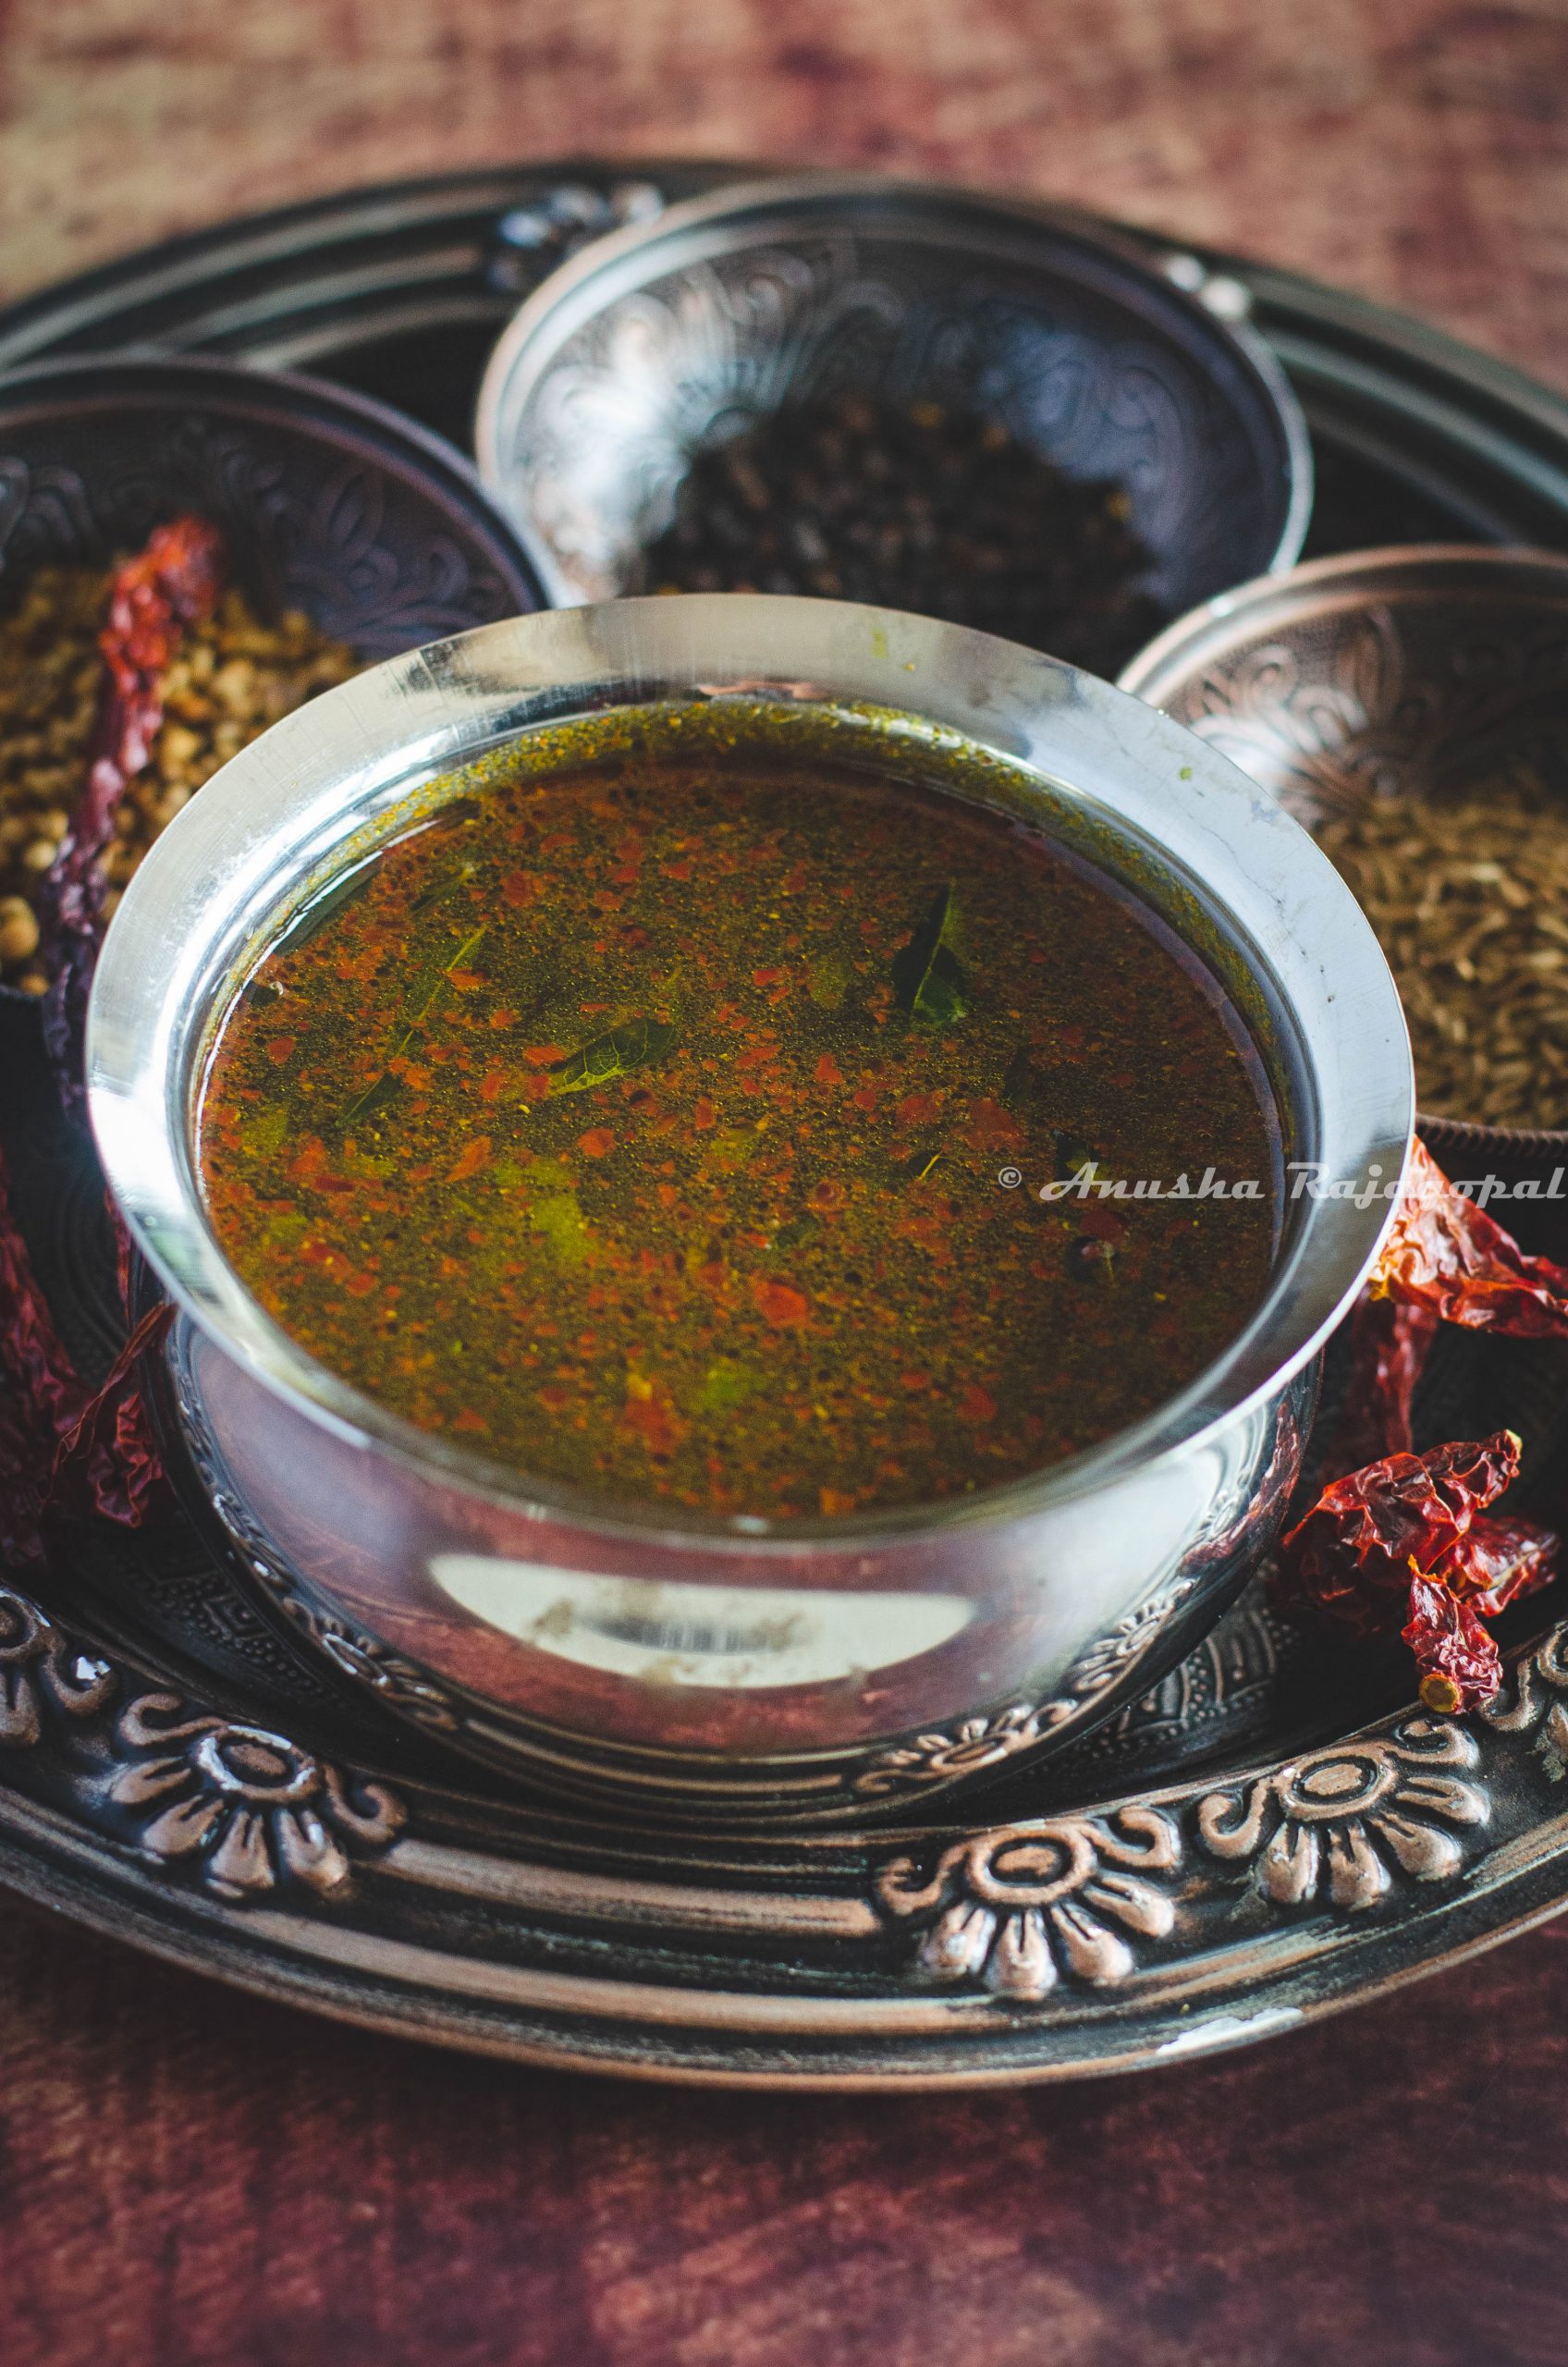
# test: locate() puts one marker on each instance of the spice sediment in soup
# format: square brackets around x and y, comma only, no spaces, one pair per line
[673,1123]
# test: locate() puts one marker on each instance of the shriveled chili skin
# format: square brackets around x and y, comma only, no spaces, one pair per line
[1352,1556]
[169,584]
[1460,1665]
[1445,1254]
[108,1463]
[1407,1539]
[1499,1558]
[677,1128]
[1391,1342]
[43,1401]
[65,1449]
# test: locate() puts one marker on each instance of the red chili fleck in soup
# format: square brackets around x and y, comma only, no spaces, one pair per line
[674,1124]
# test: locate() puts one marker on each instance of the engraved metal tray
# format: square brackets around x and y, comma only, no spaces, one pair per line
[1274,1832]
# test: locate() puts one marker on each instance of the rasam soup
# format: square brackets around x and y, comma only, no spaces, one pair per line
[671,1120]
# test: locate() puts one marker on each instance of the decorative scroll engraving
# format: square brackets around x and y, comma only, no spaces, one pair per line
[400,1684]
[38,1666]
[325,523]
[1024,1906]
[397,1681]
[1358,713]
[1529,1707]
[979,1743]
[963,1750]
[248,1808]
[1335,1825]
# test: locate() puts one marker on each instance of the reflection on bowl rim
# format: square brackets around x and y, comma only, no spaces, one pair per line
[395,723]
[558,292]
[1180,649]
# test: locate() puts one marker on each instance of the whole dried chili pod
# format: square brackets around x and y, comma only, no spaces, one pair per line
[1389,1344]
[44,1399]
[65,1447]
[1461,1667]
[170,585]
[1352,1555]
[107,1462]
[47,1395]
[1445,1253]
[1499,1558]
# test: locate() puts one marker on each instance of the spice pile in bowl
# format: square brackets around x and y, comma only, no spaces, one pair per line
[50,673]
[228,676]
[1468,894]
[920,507]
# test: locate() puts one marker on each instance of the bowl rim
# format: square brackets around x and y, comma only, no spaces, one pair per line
[1175,652]
[397,718]
[558,299]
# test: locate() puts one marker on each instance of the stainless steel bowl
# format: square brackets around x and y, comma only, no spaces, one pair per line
[1424,668]
[722,1668]
[662,338]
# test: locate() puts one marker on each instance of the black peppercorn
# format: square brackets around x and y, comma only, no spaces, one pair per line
[918,507]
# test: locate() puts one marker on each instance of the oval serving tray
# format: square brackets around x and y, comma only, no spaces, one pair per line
[1270,1834]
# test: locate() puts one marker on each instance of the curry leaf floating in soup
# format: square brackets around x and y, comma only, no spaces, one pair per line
[639,1120]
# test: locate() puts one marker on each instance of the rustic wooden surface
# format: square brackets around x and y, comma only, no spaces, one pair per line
[1414,149]
[190,2178]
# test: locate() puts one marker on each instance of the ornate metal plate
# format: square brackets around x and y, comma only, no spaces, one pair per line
[1127,1930]
[1268,1835]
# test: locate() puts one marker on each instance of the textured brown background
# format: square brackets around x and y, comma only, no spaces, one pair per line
[189,2179]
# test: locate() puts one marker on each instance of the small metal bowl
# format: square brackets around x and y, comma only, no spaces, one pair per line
[664,337]
[330,502]
[730,1668]
[1421,667]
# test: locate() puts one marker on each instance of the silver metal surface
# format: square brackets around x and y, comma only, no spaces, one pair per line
[716,1665]
[1422,668]
[671,335]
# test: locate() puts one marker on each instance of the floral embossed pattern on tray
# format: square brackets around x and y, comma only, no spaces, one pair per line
[1133,1928]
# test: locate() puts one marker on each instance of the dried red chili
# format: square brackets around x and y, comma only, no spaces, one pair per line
[170,585]
[1460,1665]
[1389,1344]
[1407,1537]
[1499,1558]
[108,1463]
[66,1448]
[45,1397]
[1352,1556]
[1445,1253]
[48,1397]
